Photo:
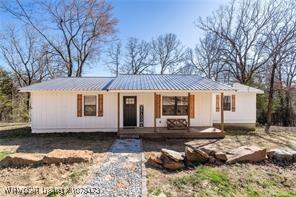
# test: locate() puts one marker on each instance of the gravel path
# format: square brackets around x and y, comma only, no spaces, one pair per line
[121,173]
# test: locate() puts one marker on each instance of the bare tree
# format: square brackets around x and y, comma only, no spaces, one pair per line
[74,29]
[138,57]
[239,27]
[281,40]
[168,52]
[113,58]
[24,54]
[207,57]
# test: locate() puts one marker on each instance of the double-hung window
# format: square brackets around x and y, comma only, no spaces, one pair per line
[90,105]
[174,105]
[227,103]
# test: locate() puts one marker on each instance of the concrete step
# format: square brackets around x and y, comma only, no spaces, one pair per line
[125,136]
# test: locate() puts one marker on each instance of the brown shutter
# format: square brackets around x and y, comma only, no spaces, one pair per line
[192,106]
[100,104]
[217,103]
[79,105]
[157,105]
[233,103]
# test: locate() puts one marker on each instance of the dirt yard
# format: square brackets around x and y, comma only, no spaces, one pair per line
[17,138]
[262,179]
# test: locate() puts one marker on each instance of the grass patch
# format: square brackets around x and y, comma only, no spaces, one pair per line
[75,176]
[4,154]
[215,177]
[156,192]
[286,194]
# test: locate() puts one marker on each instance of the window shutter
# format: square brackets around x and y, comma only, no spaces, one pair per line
[217,103]
[157,105]
[100,105]
[192,106]
[79,105]
[233,103]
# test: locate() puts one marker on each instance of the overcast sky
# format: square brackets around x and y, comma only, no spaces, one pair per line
[146,19]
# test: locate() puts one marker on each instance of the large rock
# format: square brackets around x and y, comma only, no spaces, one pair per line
[221,156]
[172,160]
[21,159]
[195,155]
[155,160]
[174,155]
[67,156]
[282,154]
[210,150]
[246,154]
[170,164]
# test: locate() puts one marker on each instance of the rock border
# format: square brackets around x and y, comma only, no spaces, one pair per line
[173,160]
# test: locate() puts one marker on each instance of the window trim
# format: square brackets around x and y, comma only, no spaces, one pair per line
[229,102]
[83,105]
[175,105]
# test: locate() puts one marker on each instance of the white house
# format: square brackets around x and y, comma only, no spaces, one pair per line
[111,104]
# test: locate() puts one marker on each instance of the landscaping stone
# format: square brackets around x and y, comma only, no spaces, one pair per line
[246,154]
[282,154]
[172,160]
[174,155]
[210,150]
[171,164]
[21,159]
[155,160]
[221,156]
[195,155]
[67,156]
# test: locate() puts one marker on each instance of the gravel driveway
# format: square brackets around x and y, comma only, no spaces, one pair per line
[121,173]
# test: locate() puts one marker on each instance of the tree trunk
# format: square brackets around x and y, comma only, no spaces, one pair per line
[270,98]
[287,110]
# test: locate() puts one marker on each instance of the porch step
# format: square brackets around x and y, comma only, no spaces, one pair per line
[132,136]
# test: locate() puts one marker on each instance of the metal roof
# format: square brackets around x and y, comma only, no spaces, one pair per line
[137,82]
[78,83]
[166,82]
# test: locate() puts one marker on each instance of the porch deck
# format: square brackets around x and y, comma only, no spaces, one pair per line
[193,132]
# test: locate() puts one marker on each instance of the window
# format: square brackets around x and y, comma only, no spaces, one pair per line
[129,101]
[90,107]
[174,105]
[227,103]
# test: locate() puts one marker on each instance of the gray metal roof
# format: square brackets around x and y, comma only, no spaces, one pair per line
[131,82]
[79,83]
[166,82]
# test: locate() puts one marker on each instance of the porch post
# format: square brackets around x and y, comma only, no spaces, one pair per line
[222,112]
[118,112]
[155,111]
[188,111]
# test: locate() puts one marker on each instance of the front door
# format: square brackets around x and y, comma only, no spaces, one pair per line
[129,111]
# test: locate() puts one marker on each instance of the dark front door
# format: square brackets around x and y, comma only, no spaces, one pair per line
[129,111]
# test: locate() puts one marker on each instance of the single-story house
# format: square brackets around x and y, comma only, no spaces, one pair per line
[148,102]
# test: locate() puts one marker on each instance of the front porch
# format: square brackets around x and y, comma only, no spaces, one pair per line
[163,132]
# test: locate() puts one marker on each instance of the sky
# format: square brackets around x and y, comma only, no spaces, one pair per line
[147,19]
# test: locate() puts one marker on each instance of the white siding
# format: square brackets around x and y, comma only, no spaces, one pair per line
[203,106]
[145,99]
[56,111]
[245,109]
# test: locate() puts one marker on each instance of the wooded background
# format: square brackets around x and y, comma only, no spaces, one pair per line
[252,42]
